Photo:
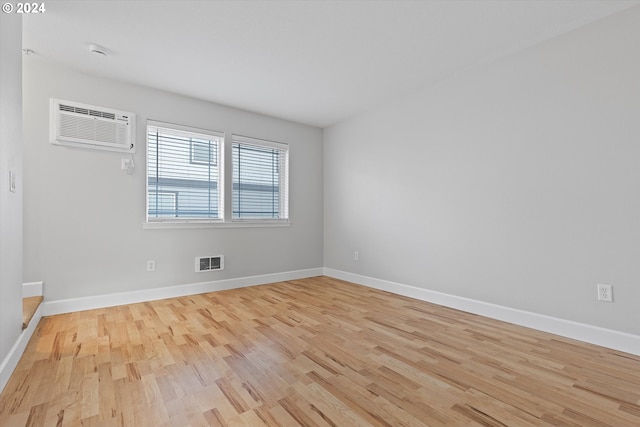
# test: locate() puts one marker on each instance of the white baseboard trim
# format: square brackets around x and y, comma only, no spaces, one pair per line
[109,300]
[32,289]
[10,362]
[609,338]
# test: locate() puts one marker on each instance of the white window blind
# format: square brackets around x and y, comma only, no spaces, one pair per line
[260,179]
[184,171]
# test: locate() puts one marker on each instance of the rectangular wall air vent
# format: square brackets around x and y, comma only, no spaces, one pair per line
[209,263]
[88,126]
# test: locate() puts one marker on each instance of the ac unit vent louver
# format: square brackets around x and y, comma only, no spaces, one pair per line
[209,263]
[88,126]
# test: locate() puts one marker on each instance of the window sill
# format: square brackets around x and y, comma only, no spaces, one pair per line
[164,225]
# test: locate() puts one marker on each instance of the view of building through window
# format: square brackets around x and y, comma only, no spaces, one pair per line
[185,176]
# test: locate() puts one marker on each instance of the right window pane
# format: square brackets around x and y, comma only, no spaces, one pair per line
[260,179]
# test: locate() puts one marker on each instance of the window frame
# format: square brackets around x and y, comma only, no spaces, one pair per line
[225,183]
[283,184]
[188,132]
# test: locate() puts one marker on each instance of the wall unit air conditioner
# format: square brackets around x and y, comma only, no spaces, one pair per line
[82,125]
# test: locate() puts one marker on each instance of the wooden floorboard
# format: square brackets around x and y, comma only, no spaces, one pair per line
[312,352]
[29,307]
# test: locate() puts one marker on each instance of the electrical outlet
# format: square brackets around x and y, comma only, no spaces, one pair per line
[356,255]
[151,265]
[605,293]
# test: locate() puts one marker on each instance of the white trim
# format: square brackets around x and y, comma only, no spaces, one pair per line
[10,362]
[609,338]
[109,300]
[32,289]
[257,142]
[247,223]
[184,130]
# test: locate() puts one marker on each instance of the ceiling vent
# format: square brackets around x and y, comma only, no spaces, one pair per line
[88,126]
[209,263]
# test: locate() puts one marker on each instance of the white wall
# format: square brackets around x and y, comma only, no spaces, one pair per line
[84,215]
[516,183]
[10,203]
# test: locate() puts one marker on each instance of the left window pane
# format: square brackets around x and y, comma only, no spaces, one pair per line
[183,173]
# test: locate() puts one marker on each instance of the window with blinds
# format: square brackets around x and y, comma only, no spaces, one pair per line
[259,179]
[184,173]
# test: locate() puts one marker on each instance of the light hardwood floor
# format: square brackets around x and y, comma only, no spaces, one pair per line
[29,307]
[313,352]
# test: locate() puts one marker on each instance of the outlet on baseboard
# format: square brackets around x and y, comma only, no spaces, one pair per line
[605,293]
[151,265]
